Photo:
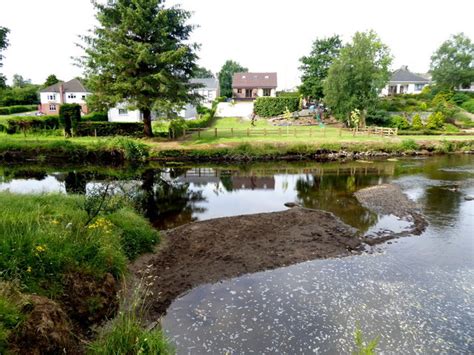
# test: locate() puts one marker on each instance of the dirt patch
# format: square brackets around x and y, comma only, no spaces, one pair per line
[209,251]
[47,330]
[89,300]
[389,199]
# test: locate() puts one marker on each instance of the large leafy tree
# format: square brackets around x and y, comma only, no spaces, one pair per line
[20,82]
[203,73]
[452,65]
[140,54]
[51,80]
[357,76]
[316,65]
[3,45]
[228,70]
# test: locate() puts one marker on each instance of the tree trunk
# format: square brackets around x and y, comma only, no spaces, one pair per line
[147,123]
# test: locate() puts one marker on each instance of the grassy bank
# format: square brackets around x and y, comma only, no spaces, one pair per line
[62,260]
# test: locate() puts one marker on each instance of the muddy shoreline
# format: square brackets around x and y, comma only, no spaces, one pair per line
[214,250]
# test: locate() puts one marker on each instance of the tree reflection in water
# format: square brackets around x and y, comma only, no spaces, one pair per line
[168,202]
[336,194]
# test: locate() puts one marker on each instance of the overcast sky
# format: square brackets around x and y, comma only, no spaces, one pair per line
[263,35]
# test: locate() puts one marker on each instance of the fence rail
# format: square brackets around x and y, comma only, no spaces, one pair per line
[301,131]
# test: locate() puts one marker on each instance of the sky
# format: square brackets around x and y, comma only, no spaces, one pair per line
[262,35]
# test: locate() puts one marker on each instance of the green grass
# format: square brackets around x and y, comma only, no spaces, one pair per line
[10,312]
[46,237]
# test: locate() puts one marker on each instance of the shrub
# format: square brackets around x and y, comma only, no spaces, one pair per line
[96,117]
[435,120]
[274,106]
[399,122]
[24,124]
[450,128]
[469,106]
[69,117]
[104,129]
[417,123]
[10,110]
[423,106]
[378,118]
[133,150]
[177,127]
[409,144]
[459,98]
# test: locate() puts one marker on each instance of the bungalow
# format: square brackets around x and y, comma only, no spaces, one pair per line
[405,82]
[249,86]
[71,92]
[208,90]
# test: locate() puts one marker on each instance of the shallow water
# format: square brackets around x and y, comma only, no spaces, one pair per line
[417,293]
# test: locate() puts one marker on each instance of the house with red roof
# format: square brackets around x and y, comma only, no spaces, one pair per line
[249,86]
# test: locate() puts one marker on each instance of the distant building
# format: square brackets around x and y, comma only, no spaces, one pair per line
[249,86]
[405,82]
[209,90]
[71,92]
[467,88]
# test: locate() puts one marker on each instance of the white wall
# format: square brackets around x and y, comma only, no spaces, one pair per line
[131,116]
[239,109]
[207,94]
[408,88]
[44,97]
[77,100]
[189,112]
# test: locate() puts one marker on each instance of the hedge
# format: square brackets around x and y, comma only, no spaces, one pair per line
[21,124]
[10,110]
[274,106]
[96,117]
[103,129]
[469,106]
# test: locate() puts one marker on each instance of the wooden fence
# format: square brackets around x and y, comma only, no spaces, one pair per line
[301,131]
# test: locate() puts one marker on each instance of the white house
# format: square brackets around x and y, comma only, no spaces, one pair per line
[208,89]
[70,92]
[467,88]
[405,82]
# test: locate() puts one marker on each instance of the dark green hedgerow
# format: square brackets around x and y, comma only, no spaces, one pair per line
[274,106]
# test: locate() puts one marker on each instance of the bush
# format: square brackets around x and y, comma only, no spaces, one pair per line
[399,122]
[133,150]
[177,127]
[417,123]
[104,129]
[10,110]
[469,106]
[459,98]
[378,118]
[435,121]
[96,117]
[450,128]
[409,144]
[69,117]
[24,124]
[274,106]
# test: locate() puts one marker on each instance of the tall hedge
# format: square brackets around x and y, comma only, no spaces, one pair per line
[102,129]
[274,106]
[69,117]
[24,124]
[10,110]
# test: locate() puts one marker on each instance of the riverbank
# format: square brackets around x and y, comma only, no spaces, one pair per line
[214,250]
[119,150]
[63,261]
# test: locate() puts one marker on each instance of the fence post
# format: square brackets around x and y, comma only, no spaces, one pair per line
[295,131]
[184,133]
[279,131]
[396,131]
[310,132]
[248,132]
[265,132]
[95,132]
[340,132]
[199,132]
[232,131]
[215,132]
[354,132]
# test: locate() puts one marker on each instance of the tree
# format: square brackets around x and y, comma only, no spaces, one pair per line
[315,67]
[357,76]
[20,82]
[203,73]
[51,80]
[140,54]
[3,45]
[225,76]
[452,65]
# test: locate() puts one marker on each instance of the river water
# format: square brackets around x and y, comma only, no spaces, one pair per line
[416,294]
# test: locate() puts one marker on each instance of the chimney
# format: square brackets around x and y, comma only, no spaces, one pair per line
[61,93]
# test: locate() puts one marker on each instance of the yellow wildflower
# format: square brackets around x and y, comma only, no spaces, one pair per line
[40,248]
[28,269]
[54,221]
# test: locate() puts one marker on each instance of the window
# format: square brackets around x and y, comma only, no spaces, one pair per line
[267,92]
[52,107]
[239,91]
[419,87]
[71,96]
[248,93]
[83,97]
[51,97]
[123,111]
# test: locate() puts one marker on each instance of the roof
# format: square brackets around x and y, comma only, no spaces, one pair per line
[404,75]
[207,83]
[254,80]
[73,85]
